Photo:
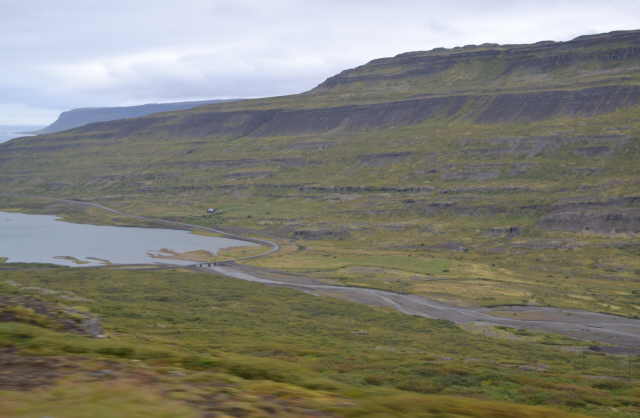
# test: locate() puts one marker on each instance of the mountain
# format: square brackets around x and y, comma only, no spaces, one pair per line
[502,176]
[476,155]
[83,116]
[489,83]
[585,62]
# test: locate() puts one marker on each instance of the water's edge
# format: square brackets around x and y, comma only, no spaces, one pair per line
[46,239]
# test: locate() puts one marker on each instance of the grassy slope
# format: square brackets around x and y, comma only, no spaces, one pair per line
[477,182]
[200,341]
[410,242]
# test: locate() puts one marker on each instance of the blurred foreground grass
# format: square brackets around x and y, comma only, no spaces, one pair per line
[193,344]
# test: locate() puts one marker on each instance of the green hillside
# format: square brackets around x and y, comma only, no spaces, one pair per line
[480,176]
[587,61]
[553,187]
[195,345]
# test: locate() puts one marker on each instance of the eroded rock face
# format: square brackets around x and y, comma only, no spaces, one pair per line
[544,105]
[510,231]
[240,163]
[537,146]
[322,234]
[33,311]
[312,146]
[472,172]
[249,175]
[20,372]
[383,159]
[287,122]
[520,61]
[602,222]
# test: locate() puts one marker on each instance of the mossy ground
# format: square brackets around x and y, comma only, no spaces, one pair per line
[419,209]
[201,337]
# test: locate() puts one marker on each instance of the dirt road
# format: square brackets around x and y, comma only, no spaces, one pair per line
[622,334]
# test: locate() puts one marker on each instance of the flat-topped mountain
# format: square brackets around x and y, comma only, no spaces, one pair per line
[489,83]
[587,61]
[83,116]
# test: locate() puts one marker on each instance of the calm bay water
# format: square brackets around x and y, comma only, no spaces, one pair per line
[41,238]
[8,132]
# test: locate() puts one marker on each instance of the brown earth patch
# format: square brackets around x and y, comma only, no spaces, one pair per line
[27,372]
[33,311]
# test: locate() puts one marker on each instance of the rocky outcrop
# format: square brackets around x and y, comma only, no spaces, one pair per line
[620,215]
[536,146]
[493,62]
[312,146]
[523,107]
[249,175]
[383,159]
[602,222]
[346,189]
[32,310]
[472,172]
[544,105]
[246,162]
[321,234]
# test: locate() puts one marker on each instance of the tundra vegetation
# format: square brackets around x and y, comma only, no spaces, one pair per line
[480,176]
[197,343]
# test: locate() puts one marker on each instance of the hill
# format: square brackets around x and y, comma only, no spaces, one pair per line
[83,116]
[483,176]
[477,175]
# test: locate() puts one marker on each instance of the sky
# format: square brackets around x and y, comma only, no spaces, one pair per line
[64,54]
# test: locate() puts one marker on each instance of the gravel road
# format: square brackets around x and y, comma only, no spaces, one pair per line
[619,335]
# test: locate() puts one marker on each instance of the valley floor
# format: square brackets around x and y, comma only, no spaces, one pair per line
[200,344]
[203,345]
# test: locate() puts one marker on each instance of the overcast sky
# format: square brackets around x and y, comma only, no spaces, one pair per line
[62,54]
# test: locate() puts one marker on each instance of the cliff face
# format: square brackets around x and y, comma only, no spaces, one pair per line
[486,109]
[80,117]
[587,60]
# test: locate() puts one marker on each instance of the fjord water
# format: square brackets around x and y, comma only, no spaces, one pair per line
[42,238]
[8,132]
